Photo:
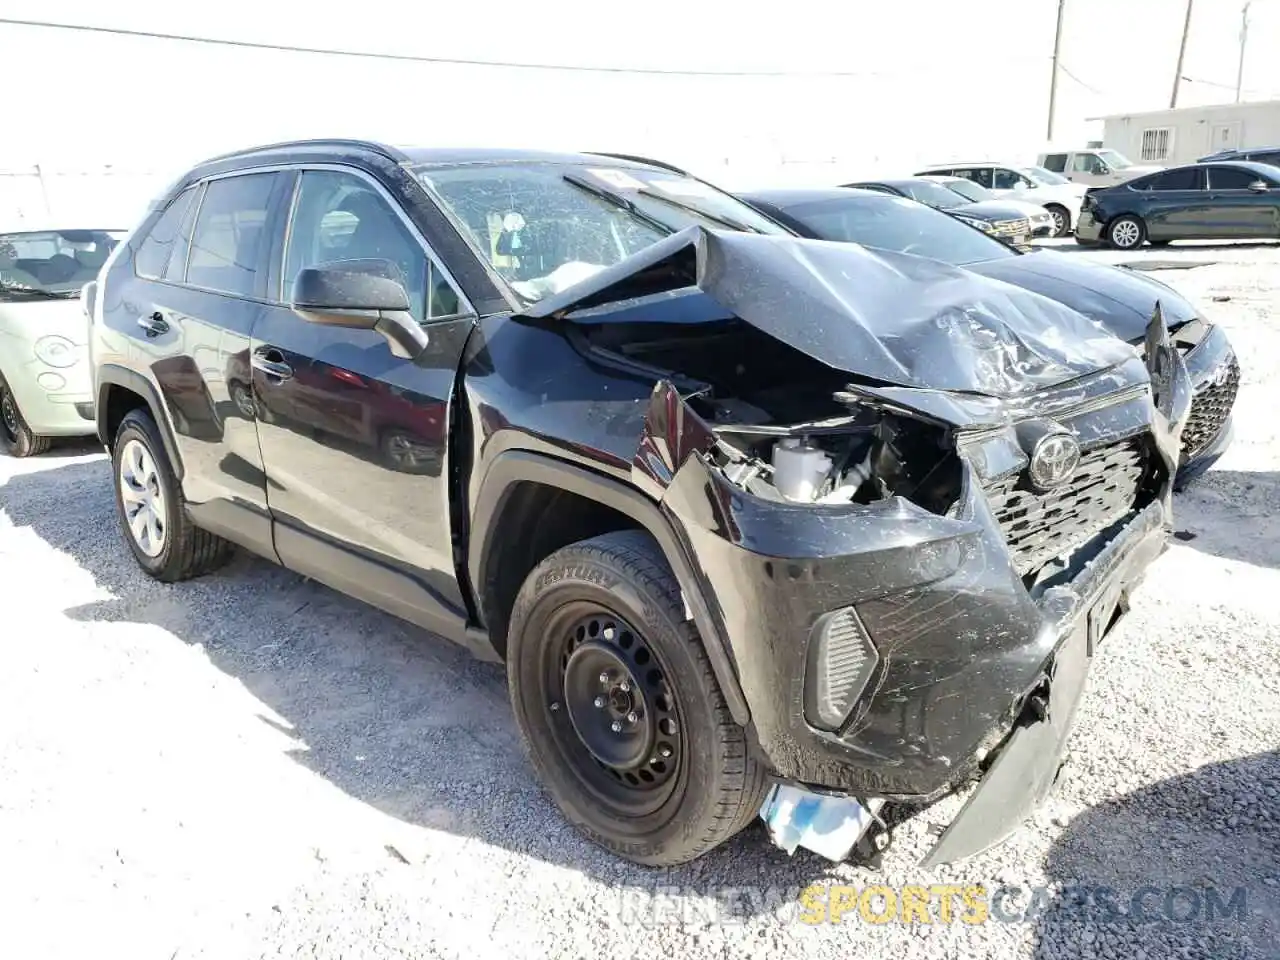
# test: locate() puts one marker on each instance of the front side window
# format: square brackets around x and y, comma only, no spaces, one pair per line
[543,226]
[340,216]
[51,264]
[895,223]
[1087,163]
[226,244]
[1186,178]
[156,250]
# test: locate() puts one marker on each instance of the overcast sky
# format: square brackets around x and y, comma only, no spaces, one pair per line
[923,78]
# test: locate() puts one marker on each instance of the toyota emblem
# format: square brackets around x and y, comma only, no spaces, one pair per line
[1053,460]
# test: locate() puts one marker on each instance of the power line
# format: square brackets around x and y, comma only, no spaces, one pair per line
[414,58]
[1089,87]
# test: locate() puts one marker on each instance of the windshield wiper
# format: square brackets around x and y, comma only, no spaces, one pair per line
[699,212]
[37,293]
[619,201]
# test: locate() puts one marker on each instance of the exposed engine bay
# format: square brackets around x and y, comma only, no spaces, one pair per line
[787,426]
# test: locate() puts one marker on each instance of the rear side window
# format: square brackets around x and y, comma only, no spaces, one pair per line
[979,175]
[153,256]
[1187,178]
[1057,162]
[1230,178]
[230,234]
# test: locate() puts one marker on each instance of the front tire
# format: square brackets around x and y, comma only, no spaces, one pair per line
[16,438]
[1126,232]
[152,510]
[1061,220]
[619,708]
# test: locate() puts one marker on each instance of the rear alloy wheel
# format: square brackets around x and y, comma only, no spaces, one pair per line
[153,515]
[1126,232]
[1061,220]
[16,438]
[619,707]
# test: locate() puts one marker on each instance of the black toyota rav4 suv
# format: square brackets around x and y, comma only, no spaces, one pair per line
[741,512]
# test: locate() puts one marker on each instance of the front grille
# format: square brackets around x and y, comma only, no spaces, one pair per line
[1041,526]
[1012,228]
[1210,406]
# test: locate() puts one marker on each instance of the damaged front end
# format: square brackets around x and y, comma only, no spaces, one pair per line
[915,499]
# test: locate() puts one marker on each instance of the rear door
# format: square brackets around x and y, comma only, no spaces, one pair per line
[1235,209]
[354,439]
[979,175]
[187,318]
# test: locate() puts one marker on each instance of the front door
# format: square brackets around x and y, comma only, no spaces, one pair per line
[1237,211]
[354,439]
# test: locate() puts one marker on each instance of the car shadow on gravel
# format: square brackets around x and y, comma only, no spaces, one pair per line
[1232,514]
[1186,867]
[393,716]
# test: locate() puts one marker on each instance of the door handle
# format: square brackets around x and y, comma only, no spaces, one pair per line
[266,362]
[154,325]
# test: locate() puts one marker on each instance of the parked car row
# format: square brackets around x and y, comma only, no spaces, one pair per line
[820,496]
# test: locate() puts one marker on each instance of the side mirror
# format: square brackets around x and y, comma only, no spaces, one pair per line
[1259,186]
[360,295]
[88,295]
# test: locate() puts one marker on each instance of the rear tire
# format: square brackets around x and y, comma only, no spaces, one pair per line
[152,510]
[16,438]
[1126,232]
[1061,220]
[653,768]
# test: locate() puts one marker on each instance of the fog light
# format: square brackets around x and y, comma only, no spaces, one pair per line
[841,660]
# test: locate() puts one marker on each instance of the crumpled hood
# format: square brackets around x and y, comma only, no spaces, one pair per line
[1121,300]
[883,317]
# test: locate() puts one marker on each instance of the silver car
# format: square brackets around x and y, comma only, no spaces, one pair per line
[45,388]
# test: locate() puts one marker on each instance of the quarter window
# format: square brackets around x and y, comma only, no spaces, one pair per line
[156,249]
[339,216]
[229,233]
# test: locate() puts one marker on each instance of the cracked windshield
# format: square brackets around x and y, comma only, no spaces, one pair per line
[544,226]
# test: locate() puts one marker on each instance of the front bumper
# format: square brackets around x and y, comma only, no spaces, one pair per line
[1088,229]
[56,401]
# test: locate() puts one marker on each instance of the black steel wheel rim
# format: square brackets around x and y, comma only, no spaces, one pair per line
[8,415]
[611,709]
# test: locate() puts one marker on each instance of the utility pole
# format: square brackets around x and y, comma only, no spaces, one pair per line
[1244,34]
[1053,77]
[1182,50]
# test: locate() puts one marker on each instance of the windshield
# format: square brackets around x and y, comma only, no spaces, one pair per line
[934,194]
[1041,175]
[544,226]
[52,264]
[969,190]
[1115,160]
[895,223]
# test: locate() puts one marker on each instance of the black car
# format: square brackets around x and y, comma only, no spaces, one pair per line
[1120,299]
[748,516]
[1267,155]
[996,217]
[1201,201]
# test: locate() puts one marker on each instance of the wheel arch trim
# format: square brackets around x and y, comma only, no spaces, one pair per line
[113,375]
[513,467]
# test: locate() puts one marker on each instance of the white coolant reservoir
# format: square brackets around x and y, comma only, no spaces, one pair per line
[799,468]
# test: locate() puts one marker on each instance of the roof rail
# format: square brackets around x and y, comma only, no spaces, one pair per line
[368,145]
[636,159]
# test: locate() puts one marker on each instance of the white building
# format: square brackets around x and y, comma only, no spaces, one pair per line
[1187,134]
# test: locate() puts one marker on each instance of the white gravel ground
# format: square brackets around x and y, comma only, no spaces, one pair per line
[252,765]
